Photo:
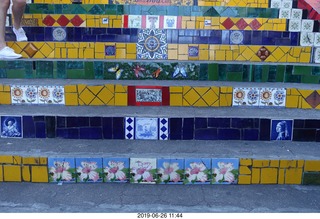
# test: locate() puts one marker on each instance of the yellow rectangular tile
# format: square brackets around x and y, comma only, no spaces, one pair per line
[260,163]
[26,176]
[5,98]
[312,165]
[88,53]
[70,88]
[175,89]
[269,175]
[131,48]
[43,160]
[6,159]
[30,160]
[120,53]
[1,174]
[281,176]
[292,101]
[300,163]
[274,163]
[121,99]
[255,179]
[39,174]
[71,99]
[220,55]
[245,162]
[17,160]
[244,170]
[288,163]
[244,179]
[225,99]
[293,176]
[11,173]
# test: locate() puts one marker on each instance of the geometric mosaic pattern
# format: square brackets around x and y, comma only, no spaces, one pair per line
[303,99]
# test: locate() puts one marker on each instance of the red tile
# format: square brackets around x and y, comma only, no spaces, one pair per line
[76,21]
[165,96]
[255,25]
[241,24]
[179,22]
[161,19]
[263,53]
[63,21]
[131,95]
[228,23]
[313,99]
[48,21]
[125,21]
[144,21]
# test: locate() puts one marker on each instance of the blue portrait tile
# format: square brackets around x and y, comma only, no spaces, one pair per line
[89,170]
[197,171]
[62,170]
[146,128]
[281,129]
[116,169]
[11,127]
[225,170]
[170,171]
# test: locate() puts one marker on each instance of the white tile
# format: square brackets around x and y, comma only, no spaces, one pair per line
[307,25]
[294,25]
[306,39]
[129,128]
[170,22]
[146,128]
[296,14]
[275,3]
[153,21]
[279,96]
[317,39]
[21,94]
[245,97]
[317,55]
[286,4]
[285,13]
[163,129]
[272,97]
[134,21]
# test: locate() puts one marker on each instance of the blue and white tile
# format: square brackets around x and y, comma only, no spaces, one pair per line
[286,4]
[225,170]
[307,25]
[153,21]
[284,13]
[306,39]
[143,170]
[281,130]
[21,94]
[193,51]
[236,37]
[246,96]
[296,14]
[89,170]
[51,95]
[146,128]
[116,169]
[163,128]
[170,171]
[170,22]
[316,39]
[134,21]
[59,34]
[317,55]
[11,127]
[62,170]
[129,128]
[294,25]
[152,44]
[272,97]
[197,171]
[275,4]
[148,95]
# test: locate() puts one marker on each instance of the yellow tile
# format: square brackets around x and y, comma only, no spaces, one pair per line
[269,175]
[17,160]
[117,24]
[131,47]
[260,163]
[255,176]
[305,104]
[300,163]
[73,53]
[1,174]
[30,160]
[70,88]
[183,49]
[274,163]
[312,165]
[288,163]
[26,174]
[244,179]
[6,159]
[229,55]
[305,57]
[121,45]
[106,95]
[132,56]
[172,54]
[119,88]
[71,99]
[211,97]
[43,160]
[121,99]
[120,53]
[291,59]
[248,54]
[11,173]
[39,174]
[244,170]
[220,55]
[46,50]
[203,55]
[226,89]
[5,98]
[6,88]
[281,176]
[176,99]
[191,96]
[293,176]
[292,101]
[245,162]
[306,93]
[278,53]
[175,89]
[88,54]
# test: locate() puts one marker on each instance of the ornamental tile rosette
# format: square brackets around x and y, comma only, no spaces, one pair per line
[152,44]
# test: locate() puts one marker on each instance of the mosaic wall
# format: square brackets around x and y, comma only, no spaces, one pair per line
[158,170]
[151,128]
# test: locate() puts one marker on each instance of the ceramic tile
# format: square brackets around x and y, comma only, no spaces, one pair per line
[286,4]
[225,170]
[153,21]
[197,171]
[24,94]
[207,23]
[110,50]
[129,128]
[134,21]
[285,13]
[317,55]
[281,129]
[296,13]
[148,95]
[59,34]
[307,25]
[263,53]
[152,44]
[51,95]
[275,4]
[236,37]
[89,170]
[306,39]
[146,128]
[163,129]
[170,22]
[272,97]
[170,171]
[11,127]
[143,170]
[61,170]
[294,25]
[317,39]
[193,51]
[116,169]
[246,97]
[180,70]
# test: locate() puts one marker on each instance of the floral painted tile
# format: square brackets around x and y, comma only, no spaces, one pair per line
[170,171]
[317,55]
[294,25]
[89,170]
[306,39]
[197,171]
[281,129]
[11,127]
[246,97]
[21,94]
[146,128]
[225,170]
[170,22]
[143,170]
[153,21]
[307,25]
[285,13]
[272,97]
[62,170]
[51,95]
[316,39]
[296,13]
[134,21]
[236,37]
[116,169]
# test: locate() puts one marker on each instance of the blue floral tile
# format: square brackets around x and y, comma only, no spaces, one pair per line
[170,22]
[193,51]
[197,171]
[225,171]
[62,170]
[89,169]
[245,96]
[143,170]
[51,95]
[11,127]
[272,97]
[146,128]
[281,129]
[24,94]
[170,171]
[236,37]
[116,169]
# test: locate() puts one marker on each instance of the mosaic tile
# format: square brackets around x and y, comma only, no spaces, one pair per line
[163,128]
[59,34]
[116,170]
[11,127]
[143,170]
[129,128]
[286,4]
[313,99]
[281,129]
[317,55]
[134,21]
[306,39]
[170,22]
[180,70]
[146,128]
[24,94]
[317,39]
[110,51]
[294,25]
[275,4]
[170,171]
[152,44]
[89,170]
[307,25]
[225,170]
[197,171]
[285,13]
[61,170]
[272,97]
[193,51]
[51,95]
[236,37]
[246,97]
[148,95]
[296,14]
[153,21]
[263,53]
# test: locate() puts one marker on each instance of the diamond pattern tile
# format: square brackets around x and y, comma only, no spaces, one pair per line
[286,4]
[163,129]
[129,128]
[77,21]
[307,25]
[49,20]
[263,53]
[255,24]
[228,23]
[313,99]
[275,4]
[294,25]
[63,21]
[241,24]
[30,49]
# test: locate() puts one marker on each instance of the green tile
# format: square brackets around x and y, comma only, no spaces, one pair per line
[234,76]
[289,77]
[281,69]
[99,9]
[311,178]
[203,73]
[316,70]
[272,73]
[44,69]
[78,10]
[310,79]
[265,73]
[89,70]
[213,72]
[28,68]
[60,70]
[302,70]
[98,70]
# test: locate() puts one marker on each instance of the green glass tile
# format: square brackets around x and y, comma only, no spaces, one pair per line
[3,73]
[184,11]
[213,72]
[242,12]
[257,73]
[234,68]
[173,10]
[311,178]
[203,74]
[99,9]
[310,79]
[302,70]
[134,9]
[315,70]
[272,73]
[289,77]
[120,10]
[44,69]
[156,10]
[246,73]
[234,76]
[98,70]
[28,68]
[78,10]
[89,70]
[222,72]
[61,69]
[75,65]
[76,74]
[281,69]
[265,73]
[39,9]
[211,12]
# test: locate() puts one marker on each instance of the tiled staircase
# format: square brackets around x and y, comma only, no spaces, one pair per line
[178,92]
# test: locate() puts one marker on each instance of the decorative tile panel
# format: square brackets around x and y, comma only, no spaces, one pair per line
[236,37]
[153,21]
[61,170]
[285,13]
[21,94]
[294,25]
[307,25]
[170,171]
[89,170]
[246,97]
[116,170]
[306,39]
[272,97]
[225,170]
[317,55]
[275,4]
[317,39]
[51,95]
[281,129]
[143,170]
[286,4]
[170,22]
[152,44]
[148,96]
[11,127]
[146,128]
[59,34]
[197,171]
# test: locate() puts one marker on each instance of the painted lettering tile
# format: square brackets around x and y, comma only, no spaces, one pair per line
[170,171]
